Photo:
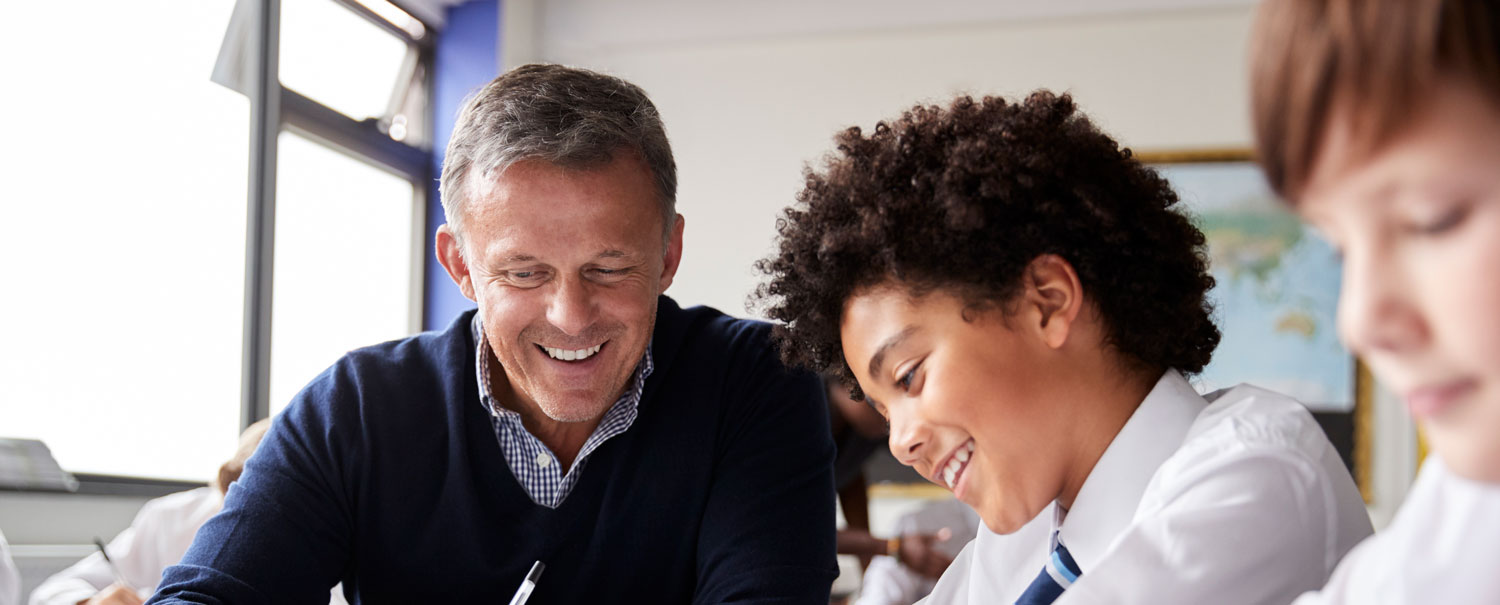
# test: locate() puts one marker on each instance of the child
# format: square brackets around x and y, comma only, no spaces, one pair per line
[1380,123]
[1022,301]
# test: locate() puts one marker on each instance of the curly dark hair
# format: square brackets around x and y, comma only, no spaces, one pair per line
[963,199]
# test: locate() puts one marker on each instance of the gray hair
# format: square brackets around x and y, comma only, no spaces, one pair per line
[563,115]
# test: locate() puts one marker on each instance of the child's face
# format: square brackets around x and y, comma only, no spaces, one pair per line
[973,395]
[1418,224]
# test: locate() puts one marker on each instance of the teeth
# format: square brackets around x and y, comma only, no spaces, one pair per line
[577,355]
[957,462]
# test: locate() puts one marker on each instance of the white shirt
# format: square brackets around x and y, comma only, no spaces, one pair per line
[887,582]
[1442,547]
[10,579]
[1234,498]
[155,540]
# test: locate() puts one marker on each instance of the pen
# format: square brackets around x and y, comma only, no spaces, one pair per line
[524,592]
[111,562]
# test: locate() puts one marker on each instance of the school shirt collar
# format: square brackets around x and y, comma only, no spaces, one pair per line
[1107,502]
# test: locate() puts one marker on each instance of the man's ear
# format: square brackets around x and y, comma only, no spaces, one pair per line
[1052,299]
[450,253]
[673,256]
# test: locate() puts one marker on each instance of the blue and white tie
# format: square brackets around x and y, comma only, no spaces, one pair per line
[1060,572]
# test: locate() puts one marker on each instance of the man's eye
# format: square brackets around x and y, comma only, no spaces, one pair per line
[526,278]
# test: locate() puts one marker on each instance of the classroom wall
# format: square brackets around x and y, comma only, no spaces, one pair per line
[752,92]
[746,106]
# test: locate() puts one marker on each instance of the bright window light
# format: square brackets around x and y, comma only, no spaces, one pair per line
[344,268]
[395,16]
[338,58]
[122,237]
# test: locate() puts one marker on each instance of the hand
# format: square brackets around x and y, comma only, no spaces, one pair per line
[917,553]
[116,594]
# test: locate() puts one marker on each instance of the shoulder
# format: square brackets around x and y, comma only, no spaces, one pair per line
[191,507]
[1249,438]
[1249,419]
[701,327]
[372,378]
[706,342]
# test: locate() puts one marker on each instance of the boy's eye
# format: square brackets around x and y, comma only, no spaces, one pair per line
[905,381]
[1444,222]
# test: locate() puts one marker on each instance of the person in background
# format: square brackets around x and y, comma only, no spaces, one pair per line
[951,524]
[858,432]
[158,536]
[1379,122]
[10,579]
[641,451]
[1023,301]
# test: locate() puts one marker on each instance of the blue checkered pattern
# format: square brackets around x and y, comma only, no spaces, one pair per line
[536,468]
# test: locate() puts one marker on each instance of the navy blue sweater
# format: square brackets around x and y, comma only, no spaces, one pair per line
[385,474]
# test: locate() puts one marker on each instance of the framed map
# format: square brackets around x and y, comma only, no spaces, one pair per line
[1276,300]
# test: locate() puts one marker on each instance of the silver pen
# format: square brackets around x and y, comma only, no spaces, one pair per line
[524,592]
[119,577]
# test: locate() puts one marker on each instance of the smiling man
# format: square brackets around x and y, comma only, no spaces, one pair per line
[642,452]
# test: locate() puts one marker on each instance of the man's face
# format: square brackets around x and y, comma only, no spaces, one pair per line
[566,265]
[1418,224]
[972,404]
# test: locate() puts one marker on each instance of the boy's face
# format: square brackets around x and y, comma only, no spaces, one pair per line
[972,404]
[1418,223]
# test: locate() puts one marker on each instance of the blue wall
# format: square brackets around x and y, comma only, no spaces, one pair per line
[466,58]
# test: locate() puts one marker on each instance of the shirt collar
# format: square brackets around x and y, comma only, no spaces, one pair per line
[1107,502]
[482,353]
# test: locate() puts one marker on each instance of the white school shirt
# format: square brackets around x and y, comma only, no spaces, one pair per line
[888,582]
[155,540]
[1233,498]
[1442,547]
[10,579]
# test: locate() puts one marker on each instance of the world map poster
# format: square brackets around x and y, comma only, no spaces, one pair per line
[1278,288]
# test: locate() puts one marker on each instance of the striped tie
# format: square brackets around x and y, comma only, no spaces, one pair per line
[1059,573]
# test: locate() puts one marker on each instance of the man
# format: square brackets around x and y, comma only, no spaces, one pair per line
[643,453]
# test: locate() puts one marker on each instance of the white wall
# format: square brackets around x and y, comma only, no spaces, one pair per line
[751,92]
[746,106]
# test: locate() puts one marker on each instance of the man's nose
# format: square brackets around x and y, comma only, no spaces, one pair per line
[1377,313]
[572,308]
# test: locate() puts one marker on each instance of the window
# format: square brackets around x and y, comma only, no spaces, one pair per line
[139,344]
[340,284]
[122,238]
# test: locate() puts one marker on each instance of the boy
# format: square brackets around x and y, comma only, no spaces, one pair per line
[1020,299]
[1380,123]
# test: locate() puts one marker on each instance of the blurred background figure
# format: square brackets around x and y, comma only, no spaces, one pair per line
[156,539]
[933,534]
[900,569]
[10,579]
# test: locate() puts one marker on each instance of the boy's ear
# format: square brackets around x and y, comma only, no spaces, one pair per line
[1053,298]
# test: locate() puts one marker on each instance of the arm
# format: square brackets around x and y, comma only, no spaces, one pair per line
[10,579]
[1257,529]
[767,534]
[283,536]
[79,581]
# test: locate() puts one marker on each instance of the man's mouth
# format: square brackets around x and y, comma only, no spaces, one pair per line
[571,354]
[957,462]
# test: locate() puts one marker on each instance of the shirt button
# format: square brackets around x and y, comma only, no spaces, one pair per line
[542,460]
